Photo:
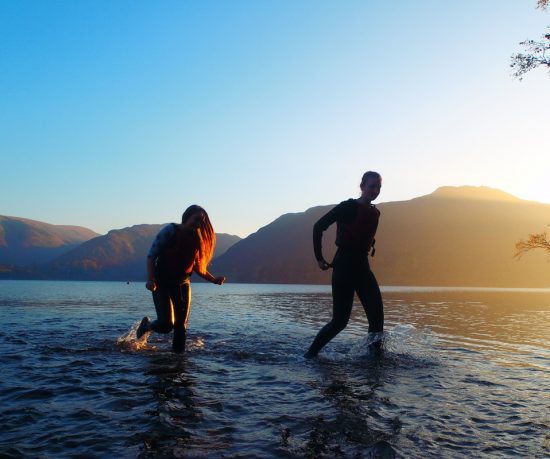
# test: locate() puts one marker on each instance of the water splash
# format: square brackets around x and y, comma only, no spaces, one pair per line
[402,339]
[407,339]
[195,343]
[371,345]
[130,340]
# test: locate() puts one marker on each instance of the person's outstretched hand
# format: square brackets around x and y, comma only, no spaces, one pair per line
[219,280]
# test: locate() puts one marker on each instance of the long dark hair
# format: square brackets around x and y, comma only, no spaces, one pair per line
[207,236]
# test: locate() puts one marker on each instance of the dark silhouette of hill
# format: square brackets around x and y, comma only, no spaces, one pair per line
[26,242]
[280,252]
[461,236]
[456,236]
[118,255]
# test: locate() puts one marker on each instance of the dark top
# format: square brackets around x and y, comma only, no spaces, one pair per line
[175,255]
[356,226]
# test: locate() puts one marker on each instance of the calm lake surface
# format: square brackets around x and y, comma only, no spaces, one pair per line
[462,373]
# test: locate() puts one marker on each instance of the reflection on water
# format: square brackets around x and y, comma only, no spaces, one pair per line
[462,373]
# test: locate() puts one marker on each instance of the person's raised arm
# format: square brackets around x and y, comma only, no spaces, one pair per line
[209,277]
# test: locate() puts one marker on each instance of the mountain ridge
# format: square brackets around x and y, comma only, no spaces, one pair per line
[445,238]
[473,192]
[25,241]
[454,236]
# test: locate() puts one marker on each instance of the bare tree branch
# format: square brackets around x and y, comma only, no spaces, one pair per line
[533,241]
[522,63]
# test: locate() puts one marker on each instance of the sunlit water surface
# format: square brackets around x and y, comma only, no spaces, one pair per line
[462,373]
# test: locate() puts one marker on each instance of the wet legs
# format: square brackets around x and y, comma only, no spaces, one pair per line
[369,294]
[342,302]
[344,286]
[177,297]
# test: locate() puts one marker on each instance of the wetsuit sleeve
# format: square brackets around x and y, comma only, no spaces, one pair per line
[320,226]
[162,240]
[372,248]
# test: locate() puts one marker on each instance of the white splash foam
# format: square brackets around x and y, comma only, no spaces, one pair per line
[130,341]
[195,343]
[405,339]
[400,339]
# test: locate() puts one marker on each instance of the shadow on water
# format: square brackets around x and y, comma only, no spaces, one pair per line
[216,402]
[362,419]
[176,411]
[185,414]
[353,426]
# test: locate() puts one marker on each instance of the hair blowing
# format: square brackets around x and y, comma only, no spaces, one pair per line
[207,236]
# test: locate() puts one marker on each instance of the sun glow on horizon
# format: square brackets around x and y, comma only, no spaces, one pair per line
[137,116]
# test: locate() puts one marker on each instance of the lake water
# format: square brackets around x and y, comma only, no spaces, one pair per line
[462,373]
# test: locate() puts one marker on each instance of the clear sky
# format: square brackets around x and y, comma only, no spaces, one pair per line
[115,113]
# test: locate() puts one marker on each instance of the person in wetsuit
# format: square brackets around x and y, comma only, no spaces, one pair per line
[356,224]
[177,251]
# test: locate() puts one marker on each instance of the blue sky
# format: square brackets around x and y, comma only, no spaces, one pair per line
[115,113]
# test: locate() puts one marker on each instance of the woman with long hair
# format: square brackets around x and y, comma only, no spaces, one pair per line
[356,224]
[177,251]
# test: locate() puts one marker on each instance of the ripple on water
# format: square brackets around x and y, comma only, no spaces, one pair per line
[33,394]
[455,376]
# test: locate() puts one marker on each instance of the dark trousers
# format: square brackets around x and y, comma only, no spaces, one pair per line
[351,274]
[176,297]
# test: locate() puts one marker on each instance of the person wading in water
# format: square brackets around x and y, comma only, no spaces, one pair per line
[357,221]
[177,251]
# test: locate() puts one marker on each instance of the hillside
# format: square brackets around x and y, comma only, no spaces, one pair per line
[281,252]
[455,236]
[461,236]
[118,255]
[26,242]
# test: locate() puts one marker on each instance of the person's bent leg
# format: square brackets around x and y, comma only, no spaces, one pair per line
[163,305]
[182,307]
[342,302]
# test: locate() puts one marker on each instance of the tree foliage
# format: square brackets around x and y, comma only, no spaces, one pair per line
[537,52]
[522,63]
[533,241]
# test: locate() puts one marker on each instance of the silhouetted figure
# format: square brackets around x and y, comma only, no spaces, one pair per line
[177,251]
[357,221]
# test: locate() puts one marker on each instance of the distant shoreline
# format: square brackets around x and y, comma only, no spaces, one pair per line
[384,288]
